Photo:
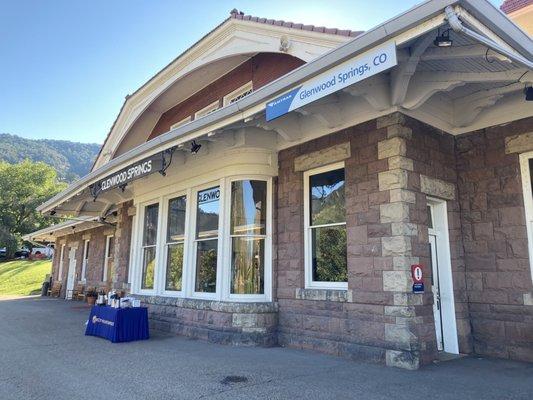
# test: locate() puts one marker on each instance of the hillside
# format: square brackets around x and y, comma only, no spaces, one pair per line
[22,277]
[70,159]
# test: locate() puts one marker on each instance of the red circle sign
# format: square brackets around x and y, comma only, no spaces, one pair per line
[416,273]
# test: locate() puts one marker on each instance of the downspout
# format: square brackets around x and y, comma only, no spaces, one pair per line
[457,26]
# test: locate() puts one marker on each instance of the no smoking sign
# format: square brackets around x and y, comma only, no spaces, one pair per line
[418,278]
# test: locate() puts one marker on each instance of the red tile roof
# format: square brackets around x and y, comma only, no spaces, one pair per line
[510,6]
[236,14]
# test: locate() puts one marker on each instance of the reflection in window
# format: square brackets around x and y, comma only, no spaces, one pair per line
[248,233]
[327,216]
[207,213]
[430,217]
[175,243]
[151,214]
[531,173]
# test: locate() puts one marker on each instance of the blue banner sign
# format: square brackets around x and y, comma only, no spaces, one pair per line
[354,70]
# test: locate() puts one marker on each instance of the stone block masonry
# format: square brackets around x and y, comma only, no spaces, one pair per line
[380,320]
[121,229]
[498,273]
[392,165]
[244,324]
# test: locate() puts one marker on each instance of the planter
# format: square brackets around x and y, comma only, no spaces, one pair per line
[91,300]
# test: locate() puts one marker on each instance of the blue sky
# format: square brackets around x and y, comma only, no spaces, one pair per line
[66,65]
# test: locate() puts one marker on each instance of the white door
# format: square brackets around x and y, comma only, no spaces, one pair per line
[71,276]
[441,277]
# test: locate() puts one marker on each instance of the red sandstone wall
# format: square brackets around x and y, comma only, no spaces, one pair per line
[495,242]
[433,153]
[95,264]
[487,241]
[261,69]
[350,329]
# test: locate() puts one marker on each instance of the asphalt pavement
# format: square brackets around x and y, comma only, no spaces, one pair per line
[45,355]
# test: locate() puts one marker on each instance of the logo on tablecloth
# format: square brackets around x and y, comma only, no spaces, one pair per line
[97,320]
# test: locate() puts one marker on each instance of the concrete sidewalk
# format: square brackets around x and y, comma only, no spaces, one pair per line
[44,355]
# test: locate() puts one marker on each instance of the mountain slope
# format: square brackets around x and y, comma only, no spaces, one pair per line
[70,159]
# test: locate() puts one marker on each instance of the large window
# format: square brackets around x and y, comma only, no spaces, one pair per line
[526,166]
[210,242]
[248,233]
[85,260]
[149,242]
[108,258]
[61,263]
[206,240]
[175,243]
[325,228]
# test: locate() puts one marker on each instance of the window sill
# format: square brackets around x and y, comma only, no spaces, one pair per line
[337,295]
[212,305]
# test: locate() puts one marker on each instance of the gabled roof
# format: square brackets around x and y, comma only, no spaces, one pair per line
[422,19]
[510,6]
[234,15]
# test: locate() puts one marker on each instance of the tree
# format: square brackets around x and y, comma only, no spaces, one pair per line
[23,187]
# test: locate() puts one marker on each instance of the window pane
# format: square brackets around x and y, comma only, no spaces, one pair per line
[206,266]
[329,254]
[248,207]
[531,173]
[176,219]
[247,265]
[87,250]
[174,267]
[148,268]
[150,225]
[111,243]
[327,197]
[430,217]
[207,213]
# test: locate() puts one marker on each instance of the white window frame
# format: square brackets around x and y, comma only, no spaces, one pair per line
[164,245]
[308,258]
[207,110]
[182,122]
[108,239]
[232,97]
[191,292]
[61,263]
[267,295]
[528,202]
[85,260]
[223,283]
[141,210]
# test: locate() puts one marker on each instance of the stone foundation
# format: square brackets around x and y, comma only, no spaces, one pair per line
[243,324]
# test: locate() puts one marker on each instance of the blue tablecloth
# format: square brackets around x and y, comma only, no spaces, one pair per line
[118,324]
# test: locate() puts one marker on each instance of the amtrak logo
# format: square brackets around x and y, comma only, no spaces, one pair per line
[97,320]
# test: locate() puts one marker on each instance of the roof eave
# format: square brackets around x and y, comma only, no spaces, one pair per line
[492,18]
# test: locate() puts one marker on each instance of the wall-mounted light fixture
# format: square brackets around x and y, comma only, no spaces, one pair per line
[195,147]
[529,93]
[443,40]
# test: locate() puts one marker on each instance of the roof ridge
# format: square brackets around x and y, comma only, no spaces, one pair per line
[236,14]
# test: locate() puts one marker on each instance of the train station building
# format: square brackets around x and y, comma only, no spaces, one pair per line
[363,194]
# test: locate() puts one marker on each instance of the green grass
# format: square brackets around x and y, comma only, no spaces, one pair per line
[23,277]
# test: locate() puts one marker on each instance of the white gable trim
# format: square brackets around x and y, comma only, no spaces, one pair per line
[234,37]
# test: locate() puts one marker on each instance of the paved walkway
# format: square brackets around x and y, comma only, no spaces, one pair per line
[44,355]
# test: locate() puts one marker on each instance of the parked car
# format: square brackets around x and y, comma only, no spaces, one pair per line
[22,254]
[3,253]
